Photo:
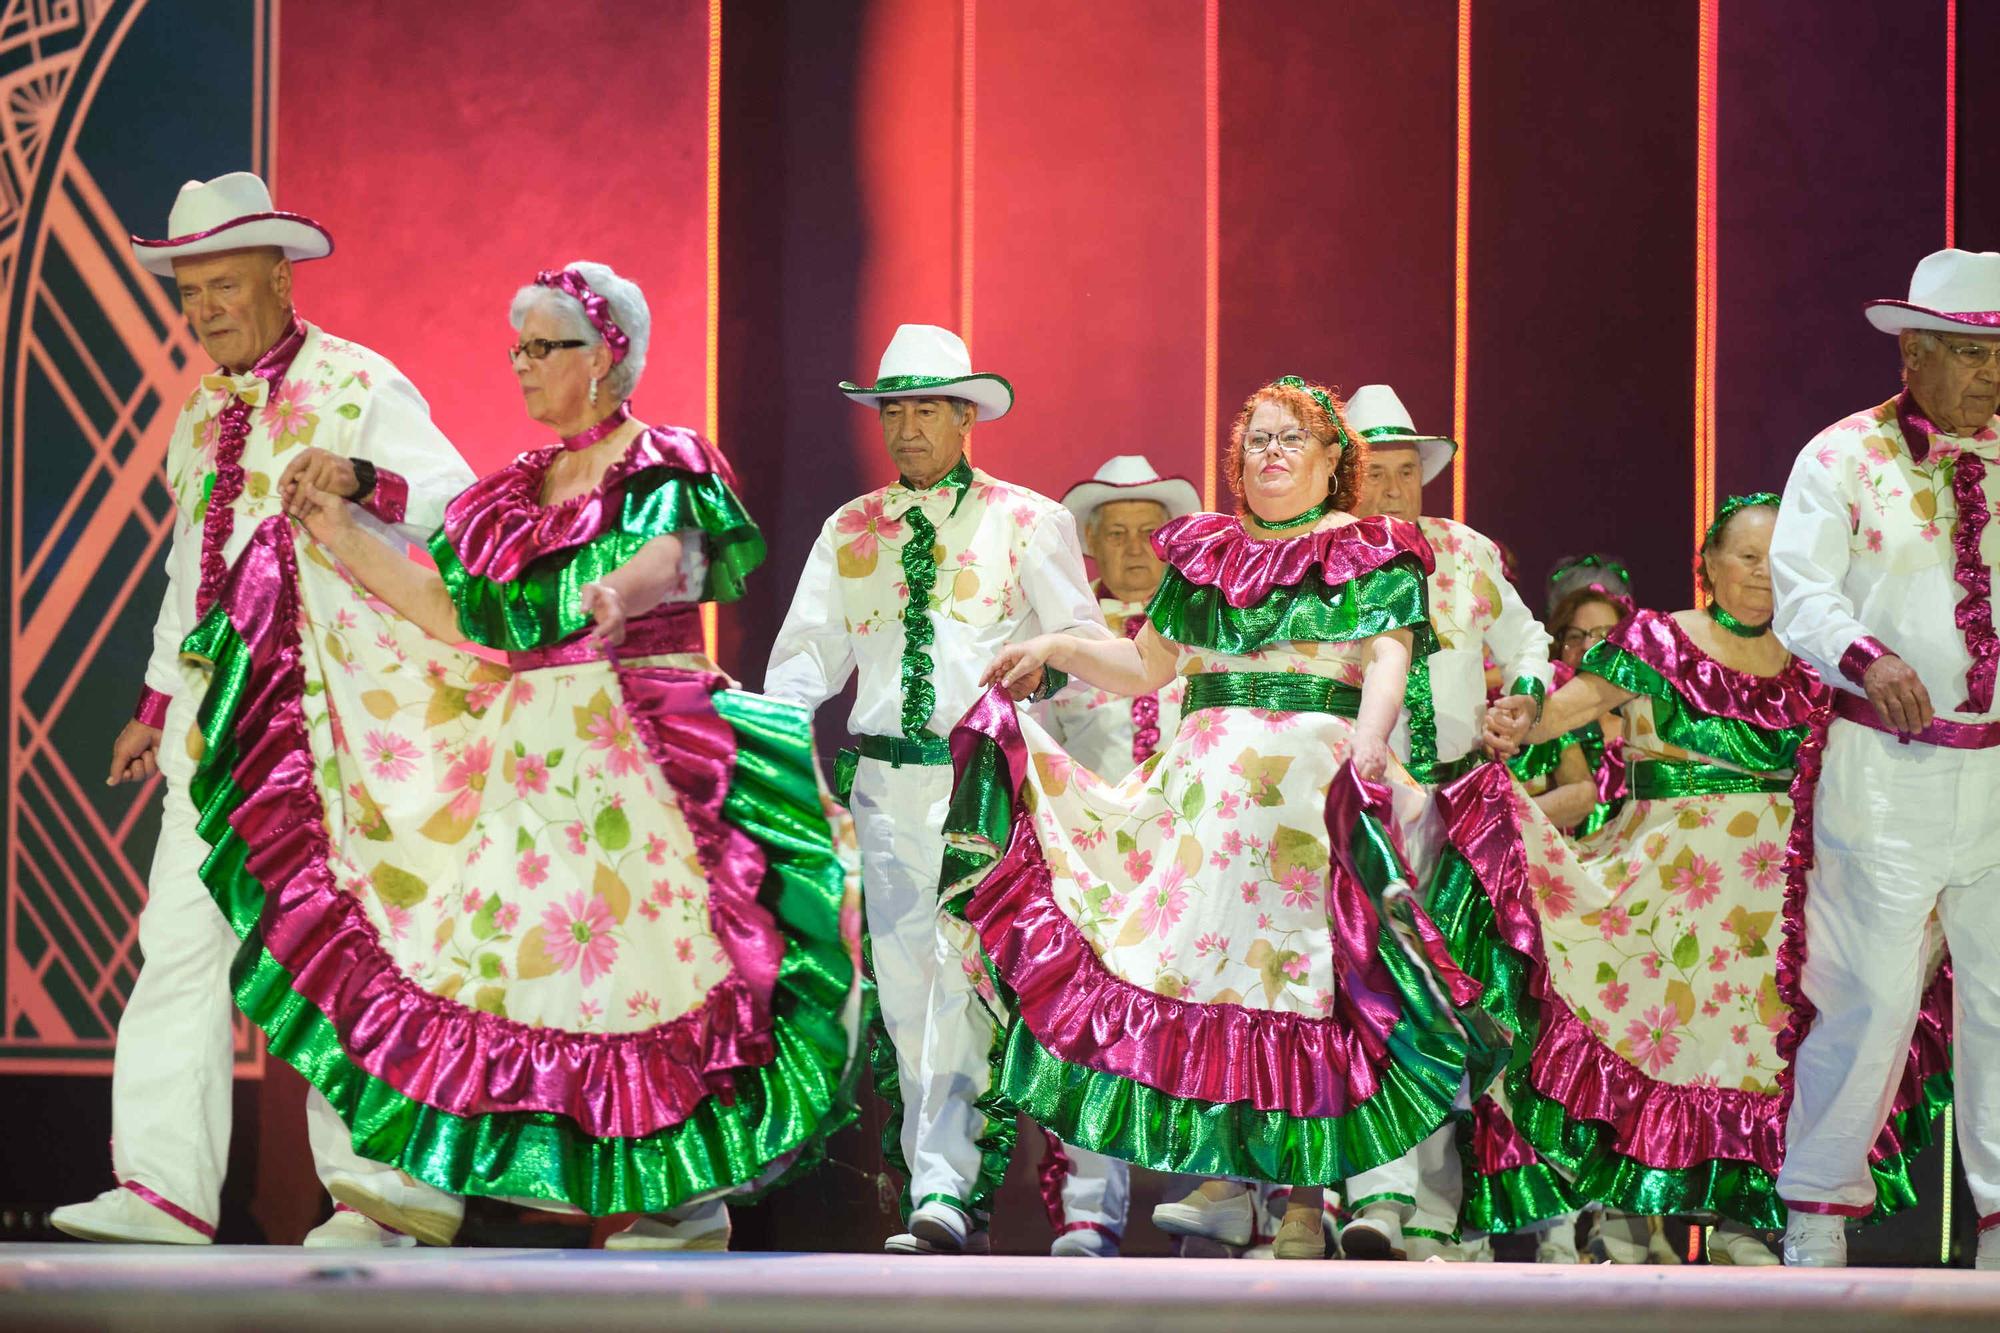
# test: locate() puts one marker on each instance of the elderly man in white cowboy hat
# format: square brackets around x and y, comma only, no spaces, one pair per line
[1883,564]
[1477,615]
[915,586]
[287,403]
[1117,511]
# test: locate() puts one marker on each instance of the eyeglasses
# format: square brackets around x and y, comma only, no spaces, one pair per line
[1291,442]
[1570,638]
[1972,355]
[537,348]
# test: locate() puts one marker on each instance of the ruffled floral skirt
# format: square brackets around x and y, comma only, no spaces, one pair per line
[584,934]
[1215,966]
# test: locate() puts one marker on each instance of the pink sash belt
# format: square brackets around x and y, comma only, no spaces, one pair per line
[673,630]
[1950,735]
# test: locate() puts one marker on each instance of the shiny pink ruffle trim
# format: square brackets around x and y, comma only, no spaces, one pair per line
[1496,1144]
[232,433]
[1217,1053]
[1930,1044]
[499,526]
[1214,551]
[1787,699]
[434,1050]
[1974,614]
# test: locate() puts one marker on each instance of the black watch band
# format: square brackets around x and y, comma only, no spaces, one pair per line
[364,479]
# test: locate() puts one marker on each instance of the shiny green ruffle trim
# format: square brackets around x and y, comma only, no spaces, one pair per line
[544,606]
[1582,1149]
[1678,722]
[781,1110]
[1312,611]
[1539,761]
[1517,1199]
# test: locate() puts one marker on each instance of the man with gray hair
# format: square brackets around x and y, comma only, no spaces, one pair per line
[288,405]
[915,586]
[1882,564]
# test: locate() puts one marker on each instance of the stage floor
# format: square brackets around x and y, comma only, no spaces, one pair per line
[58,1288]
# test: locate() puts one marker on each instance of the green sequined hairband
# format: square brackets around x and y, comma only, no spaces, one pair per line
[1731,507]
[1592,562]
[1319,396]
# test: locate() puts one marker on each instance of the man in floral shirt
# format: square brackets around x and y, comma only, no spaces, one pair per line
[1883,564]
[915,586]
[288,404]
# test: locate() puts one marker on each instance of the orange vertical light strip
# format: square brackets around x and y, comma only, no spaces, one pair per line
[968,108]
[1211,244]
[1950,123]
[1704,280]
[712,407]
[1461,329]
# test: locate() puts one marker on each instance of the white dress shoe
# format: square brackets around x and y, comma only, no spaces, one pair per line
[1988,1254]
[121,1217]
[1735,1246]
[1229,1221]
[1376,1232]
[1815,1240]
[1085,1243]
[700,1226]
[349,1230]
[980,1242]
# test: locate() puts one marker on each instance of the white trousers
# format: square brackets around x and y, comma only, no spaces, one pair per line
[171,1072]
[1900,831]
[939,1029]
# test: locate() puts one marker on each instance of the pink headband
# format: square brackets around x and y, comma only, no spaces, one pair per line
[595,308]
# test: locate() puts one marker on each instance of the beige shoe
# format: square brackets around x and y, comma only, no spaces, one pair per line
[1815,1240]
[121,1217]
[701,1226]
[1300,1236]
[349,1230]
[1229,1220]
[429,1226]
[1376,1232]
[1735,1246]
[1624,1237]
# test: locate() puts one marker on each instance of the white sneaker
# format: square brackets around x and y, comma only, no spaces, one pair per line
[430,1226]
[699,1226]
[1624,1237]
[1815,1240]
[941,1226]
[1557,1245]
[1478,1250]
[349,1230]
[1988,1254]
[122,1217]
[1423,1249]
[1376,1232]
[980,1242]
[1734,1246]
[1085,1243]
[1229,1220]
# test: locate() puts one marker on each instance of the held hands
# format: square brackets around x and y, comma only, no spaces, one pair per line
[603,604]
[1899,697]
[135,755]
[1018,666]
[326,516]
[1508,721]
[316,469]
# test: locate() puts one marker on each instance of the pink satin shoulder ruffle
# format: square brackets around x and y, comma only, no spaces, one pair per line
[499,526]
[437,1050]
[1218,1053]
[1214,551]
[1788,699]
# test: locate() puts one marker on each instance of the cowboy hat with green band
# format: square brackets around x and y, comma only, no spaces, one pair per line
[1379,417]
[925,361]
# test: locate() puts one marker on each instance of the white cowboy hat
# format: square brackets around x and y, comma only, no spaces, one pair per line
[1130,477]
[1952,291]
[1379,417]
[925,361]
[231,212]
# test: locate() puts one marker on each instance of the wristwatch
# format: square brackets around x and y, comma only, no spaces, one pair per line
[364,479]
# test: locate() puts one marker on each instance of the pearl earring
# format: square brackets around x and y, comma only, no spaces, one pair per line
[593,391]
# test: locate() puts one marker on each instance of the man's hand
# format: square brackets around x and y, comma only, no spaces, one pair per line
[318,470]
[135,755]
[1507,724]
[1899,697]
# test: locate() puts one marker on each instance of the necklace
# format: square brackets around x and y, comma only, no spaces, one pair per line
[1313,515]
[1735,626]
[584,439]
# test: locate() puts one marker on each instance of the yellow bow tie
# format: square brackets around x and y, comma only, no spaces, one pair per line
[250,389]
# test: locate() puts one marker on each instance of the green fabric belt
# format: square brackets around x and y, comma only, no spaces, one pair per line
[1449,770]
[1664,779]
[1272,691]
[897,751]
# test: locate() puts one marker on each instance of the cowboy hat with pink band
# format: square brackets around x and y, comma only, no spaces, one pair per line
[1952,291]
[1130,477]
[231,212]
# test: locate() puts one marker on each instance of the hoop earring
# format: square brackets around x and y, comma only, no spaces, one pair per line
[593,391]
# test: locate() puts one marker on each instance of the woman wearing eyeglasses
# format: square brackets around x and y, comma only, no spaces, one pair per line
[1638,968]
[563,918]
[1578,777]
[1206,964]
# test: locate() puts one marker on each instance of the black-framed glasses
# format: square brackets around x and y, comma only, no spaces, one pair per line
[1573,636]
[537,348]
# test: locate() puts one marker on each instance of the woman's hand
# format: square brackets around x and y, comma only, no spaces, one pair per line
[1371,758]
[316,469]
[1019,666]
[1507,723]
[326,516]
[603,604]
